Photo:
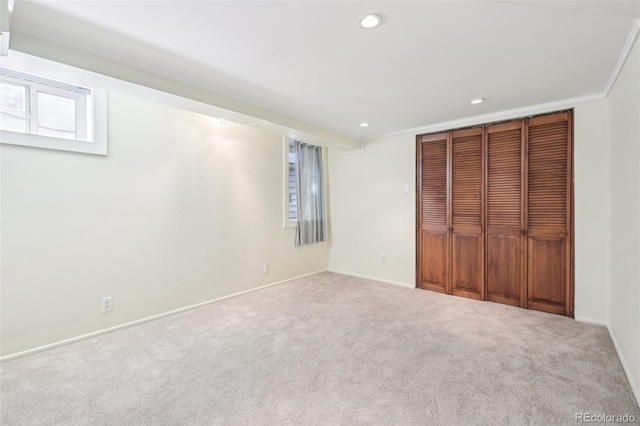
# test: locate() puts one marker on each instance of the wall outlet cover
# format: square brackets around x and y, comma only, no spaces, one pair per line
[107,304]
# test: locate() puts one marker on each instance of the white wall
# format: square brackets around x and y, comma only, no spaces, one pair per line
[371,215]
[591,193]
[624,117]
[181,211]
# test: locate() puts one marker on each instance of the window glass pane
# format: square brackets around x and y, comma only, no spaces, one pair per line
[13,107]
[293,208]
[56,116]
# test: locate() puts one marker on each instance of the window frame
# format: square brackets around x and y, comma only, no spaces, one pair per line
[90,111]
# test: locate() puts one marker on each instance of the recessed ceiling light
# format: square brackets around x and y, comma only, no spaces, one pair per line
[364,124]
[477,101]
[223,122]
[371,21]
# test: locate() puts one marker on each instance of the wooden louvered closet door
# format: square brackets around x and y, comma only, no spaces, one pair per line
[467,246]
[505,214]
[495,214]
[433,241]
[549,219]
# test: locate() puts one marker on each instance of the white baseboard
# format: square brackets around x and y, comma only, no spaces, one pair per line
[590,321]
[366,277]
[625,367]
[142,321]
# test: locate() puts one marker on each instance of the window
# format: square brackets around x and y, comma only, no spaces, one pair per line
[304,191]
[47,113]
[291,183]
[30,104]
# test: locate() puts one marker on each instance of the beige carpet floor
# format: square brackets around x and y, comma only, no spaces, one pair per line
[325,350]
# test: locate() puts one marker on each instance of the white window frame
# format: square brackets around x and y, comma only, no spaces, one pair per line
[286,222]
[91,114]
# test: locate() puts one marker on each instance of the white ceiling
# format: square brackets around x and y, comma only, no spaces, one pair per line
[311,61]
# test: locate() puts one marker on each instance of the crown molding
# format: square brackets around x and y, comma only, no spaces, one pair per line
[633,35]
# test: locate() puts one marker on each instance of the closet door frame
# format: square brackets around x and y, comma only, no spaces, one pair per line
[570,220]
[524,291]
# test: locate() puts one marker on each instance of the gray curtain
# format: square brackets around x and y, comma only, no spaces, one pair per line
[309,194]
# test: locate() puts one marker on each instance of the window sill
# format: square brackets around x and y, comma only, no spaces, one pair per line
[290,224]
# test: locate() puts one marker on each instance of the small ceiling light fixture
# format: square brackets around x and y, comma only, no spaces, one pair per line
[364,124]
[477,101]
[371,21]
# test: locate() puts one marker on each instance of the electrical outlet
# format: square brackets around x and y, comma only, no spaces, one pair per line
[107,304]
[383,258]
[406,188]
[265,268]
